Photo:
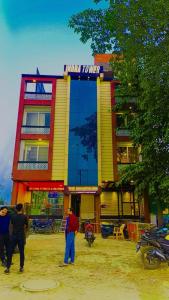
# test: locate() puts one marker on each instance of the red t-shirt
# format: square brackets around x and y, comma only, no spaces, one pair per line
[72,223]
[89,227]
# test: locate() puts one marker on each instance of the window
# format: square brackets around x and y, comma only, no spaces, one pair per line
[37,119]
[35,153]
[39,87]
[127,155]
[121,121]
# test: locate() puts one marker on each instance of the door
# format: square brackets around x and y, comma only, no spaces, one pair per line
[75,204]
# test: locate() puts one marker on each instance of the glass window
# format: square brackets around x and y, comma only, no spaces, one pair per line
[127,155]
[47,119]
[132,155]
[122,155]
[36,153]
[120,121]
[82,159]
[38,119]
[31,153]
[39,87]
[43,154]
[47,203]
[32,119]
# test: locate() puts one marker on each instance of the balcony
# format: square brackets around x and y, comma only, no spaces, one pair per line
[126,99]
[37,96]
[33,165]
[121,167]
[122,132]
[35,129]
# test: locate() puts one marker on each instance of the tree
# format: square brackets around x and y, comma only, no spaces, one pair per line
[139,30]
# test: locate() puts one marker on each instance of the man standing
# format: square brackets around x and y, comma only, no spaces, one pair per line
[4,234]
[19,224]
[72,226]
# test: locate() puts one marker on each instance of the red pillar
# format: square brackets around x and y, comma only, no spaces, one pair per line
[14,193]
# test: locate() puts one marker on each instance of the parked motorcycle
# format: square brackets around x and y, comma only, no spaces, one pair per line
[89,236]
[154,248]
[89,233]
[42,226]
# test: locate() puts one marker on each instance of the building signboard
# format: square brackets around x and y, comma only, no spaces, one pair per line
[83,70]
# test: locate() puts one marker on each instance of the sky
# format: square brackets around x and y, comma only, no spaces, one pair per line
[33,33]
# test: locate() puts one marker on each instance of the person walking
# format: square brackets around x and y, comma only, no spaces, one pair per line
[19,223]
[72,226]
[4,234]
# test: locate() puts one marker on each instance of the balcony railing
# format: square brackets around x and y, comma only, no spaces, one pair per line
[35,129]
[32,165]
[127,99]
[122,132]
[37,96]
[122,166]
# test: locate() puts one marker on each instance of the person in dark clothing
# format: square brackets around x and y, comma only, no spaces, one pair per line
[4,235]
[72,226]
[125,232]
[19,224]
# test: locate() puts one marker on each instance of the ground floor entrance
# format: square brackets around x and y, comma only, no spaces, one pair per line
[88,203]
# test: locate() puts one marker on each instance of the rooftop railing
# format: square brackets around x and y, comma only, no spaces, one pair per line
[32,165]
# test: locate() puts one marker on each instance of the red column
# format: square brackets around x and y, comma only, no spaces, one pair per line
[14,193]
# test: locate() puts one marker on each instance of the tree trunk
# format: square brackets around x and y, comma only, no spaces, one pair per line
[146,207]
[159,214]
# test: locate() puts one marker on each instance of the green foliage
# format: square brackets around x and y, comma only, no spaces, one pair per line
[139,30]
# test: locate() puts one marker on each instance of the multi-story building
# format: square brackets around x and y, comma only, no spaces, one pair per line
[70,145]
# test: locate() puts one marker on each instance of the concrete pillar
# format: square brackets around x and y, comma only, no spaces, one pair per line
[66,203]
[97,213]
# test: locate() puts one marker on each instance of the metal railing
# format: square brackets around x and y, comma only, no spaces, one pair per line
[127,99]
[35,129]
[32,165]
[122,132]
[37,96]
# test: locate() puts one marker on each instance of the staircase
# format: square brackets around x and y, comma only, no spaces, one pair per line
[63,224]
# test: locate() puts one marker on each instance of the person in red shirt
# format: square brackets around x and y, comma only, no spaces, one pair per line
[88,227]
[72,226]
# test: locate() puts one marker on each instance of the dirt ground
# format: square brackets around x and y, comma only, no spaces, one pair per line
[109,270]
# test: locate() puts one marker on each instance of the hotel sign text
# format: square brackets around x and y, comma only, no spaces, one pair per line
[83,69]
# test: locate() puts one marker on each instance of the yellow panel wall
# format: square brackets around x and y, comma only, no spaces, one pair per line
[105,152]
[87,206]
[61,123]
[110,203]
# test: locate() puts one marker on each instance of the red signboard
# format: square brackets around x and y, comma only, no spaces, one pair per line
[46,186]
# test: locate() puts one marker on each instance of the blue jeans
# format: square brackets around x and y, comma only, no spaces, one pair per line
[70,248]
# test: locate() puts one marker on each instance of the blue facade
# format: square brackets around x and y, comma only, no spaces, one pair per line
[82,155]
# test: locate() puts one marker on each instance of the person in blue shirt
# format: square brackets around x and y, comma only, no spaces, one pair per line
[4,234]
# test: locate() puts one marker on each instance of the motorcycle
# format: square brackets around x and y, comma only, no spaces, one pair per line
[89,236]
[154,248]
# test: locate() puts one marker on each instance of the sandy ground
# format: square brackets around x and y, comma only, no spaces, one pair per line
[109,270]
